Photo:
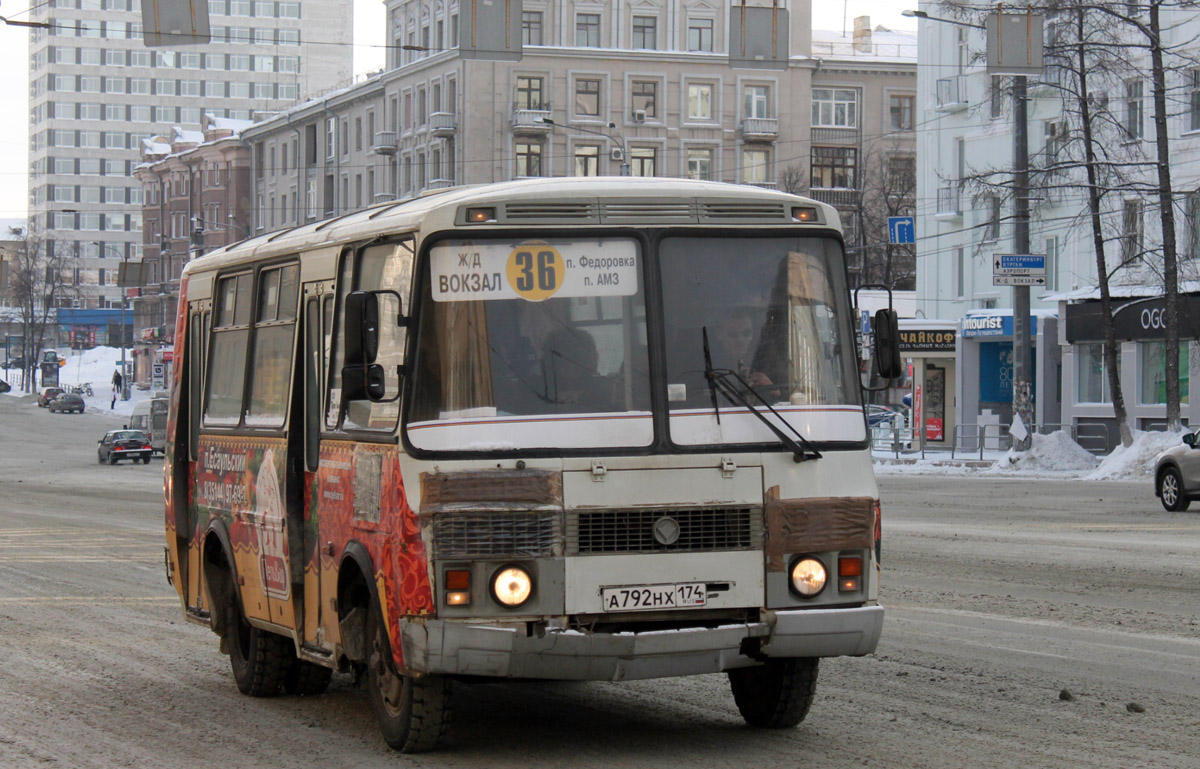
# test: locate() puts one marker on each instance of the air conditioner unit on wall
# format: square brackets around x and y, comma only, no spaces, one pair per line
[616,153]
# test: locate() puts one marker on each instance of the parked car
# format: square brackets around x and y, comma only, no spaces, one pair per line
[882,416]
[1177,474]
[17,362]
[66,403]
[123,444]
[49,394]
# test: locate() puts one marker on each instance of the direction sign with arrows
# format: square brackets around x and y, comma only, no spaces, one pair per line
[1019,270]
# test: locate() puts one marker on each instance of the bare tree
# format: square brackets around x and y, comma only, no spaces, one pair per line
[38,283]
[790,179]
[888,188]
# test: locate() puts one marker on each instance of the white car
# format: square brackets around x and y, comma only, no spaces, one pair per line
[1177,474]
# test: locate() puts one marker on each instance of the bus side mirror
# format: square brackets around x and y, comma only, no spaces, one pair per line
[362,328]
[887,344]
[363,381]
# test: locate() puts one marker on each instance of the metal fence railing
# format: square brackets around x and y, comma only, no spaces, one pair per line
[975,441]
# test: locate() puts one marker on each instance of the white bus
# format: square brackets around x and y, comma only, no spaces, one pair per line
[150,416]
[564,429]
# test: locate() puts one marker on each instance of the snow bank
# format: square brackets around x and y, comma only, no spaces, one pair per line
[1054,453]
[95,366]
[1137,461]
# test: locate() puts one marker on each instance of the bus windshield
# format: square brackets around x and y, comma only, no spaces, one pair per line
[532,343]
[775,312]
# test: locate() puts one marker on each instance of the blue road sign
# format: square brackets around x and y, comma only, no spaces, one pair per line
[865,321]
[901,230]
[1021,262]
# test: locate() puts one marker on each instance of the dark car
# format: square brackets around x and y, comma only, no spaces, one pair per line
[67,403]
[123,444]
[49,394]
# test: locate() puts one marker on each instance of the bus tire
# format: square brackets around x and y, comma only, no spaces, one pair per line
[259,659]
[413,713]
[777,694]
[306,679]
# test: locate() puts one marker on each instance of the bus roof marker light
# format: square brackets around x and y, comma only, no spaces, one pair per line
[481,215]
[804,214]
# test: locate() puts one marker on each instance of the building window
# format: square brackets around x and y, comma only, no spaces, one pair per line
[1051,263]
[645,96]
[700,164]
[531,27]
[1092,376]
[1132,232]
[991,228]
[754,166]
[645,32]
[1193,226]
[833,108]
[587,160]
[834,167]
[901,174]
[643,161]
[1194,100]
[960,272]
[1152,361]
[700,35]
[529,159]
[699,101]
[900,112]
[755,100]
[529,93]
[587,30]
[1134,109]
[330,137]
[996,96]
[587,98]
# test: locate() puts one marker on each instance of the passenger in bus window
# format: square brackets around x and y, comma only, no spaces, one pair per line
[569,360]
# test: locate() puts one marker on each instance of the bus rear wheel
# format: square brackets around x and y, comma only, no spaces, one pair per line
[777,694]
[413,713]
[259,659]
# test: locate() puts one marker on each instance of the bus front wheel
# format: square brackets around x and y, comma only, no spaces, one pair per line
[259,659]
[777,694]
[413,712]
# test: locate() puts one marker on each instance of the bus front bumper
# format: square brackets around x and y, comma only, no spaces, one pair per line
[459,648]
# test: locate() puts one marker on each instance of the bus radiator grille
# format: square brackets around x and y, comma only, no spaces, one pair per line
[634,531]
[497,534]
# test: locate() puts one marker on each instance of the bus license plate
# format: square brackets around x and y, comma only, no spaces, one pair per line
[687,595]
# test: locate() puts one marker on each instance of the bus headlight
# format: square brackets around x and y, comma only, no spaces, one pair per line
[512,586]
[808,577]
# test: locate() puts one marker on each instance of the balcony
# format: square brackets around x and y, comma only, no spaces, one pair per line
[383,197]
[439,184]
[385,143]
[760,129]
[443,123]
[529,121]
[838,197]
[949,202]
[952,93]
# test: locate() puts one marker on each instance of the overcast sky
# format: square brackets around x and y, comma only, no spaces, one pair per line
[368,55]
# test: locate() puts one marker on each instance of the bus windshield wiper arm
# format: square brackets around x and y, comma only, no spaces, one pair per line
[723,380]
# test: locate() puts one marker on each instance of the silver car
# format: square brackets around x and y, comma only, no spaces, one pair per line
[1177,474]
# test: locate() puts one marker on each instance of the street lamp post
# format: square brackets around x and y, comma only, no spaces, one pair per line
[621,142]
[124,307]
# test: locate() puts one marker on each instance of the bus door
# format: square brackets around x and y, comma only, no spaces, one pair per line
[356,456]
[190,520]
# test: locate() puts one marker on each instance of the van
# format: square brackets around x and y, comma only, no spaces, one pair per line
[150,416]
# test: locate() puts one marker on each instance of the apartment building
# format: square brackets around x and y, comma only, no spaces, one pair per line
[97,93]
[575,88]
[965,217]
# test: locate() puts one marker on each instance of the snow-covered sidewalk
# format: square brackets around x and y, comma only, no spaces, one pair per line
[1050,456]
[95,366]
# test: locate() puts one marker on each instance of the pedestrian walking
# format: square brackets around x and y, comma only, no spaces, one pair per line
[117,381]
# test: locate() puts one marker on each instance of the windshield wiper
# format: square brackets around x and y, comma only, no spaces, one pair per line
[723,380]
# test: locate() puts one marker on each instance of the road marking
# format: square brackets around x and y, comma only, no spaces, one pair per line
[86,599]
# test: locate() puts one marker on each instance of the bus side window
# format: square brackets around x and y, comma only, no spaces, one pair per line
[227,355]
[195,362]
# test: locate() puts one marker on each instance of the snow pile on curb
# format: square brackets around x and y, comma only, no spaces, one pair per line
[95,366]
[1137,461]
[1053,453]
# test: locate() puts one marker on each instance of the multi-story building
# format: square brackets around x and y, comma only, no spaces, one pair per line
[566,87]
[966,217]
[195,197]
[97,93]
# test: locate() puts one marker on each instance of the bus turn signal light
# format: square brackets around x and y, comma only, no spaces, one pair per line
[849,573]
[458,587]
[804,214]
[481,215]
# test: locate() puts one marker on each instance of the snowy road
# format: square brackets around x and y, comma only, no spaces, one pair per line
[1001,592]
